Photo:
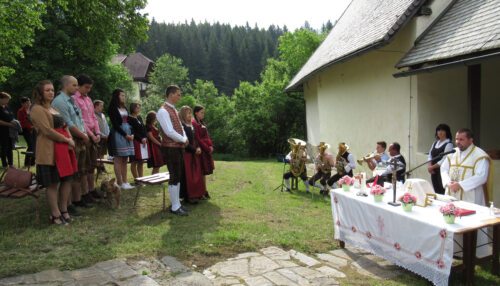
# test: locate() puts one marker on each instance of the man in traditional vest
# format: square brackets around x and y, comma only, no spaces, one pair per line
[172,146]
[465,172]
[344,164]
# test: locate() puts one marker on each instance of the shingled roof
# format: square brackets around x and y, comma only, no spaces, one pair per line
[364,25]
[138,65]
[466,28]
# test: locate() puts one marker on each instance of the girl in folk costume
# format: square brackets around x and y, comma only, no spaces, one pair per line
[120,139]
[155,159]
[204,141]
[441,145]
[140,139]
[55,156]
[194,183]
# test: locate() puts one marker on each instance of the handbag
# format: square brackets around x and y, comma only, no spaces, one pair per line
[16,178]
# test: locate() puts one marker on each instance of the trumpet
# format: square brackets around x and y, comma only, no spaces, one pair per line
[368,157]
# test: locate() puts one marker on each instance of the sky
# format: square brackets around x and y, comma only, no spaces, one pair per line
[292,13]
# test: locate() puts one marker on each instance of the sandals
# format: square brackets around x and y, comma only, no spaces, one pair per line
[58,220]
[68,219]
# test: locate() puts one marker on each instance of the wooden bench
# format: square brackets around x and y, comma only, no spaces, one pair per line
[156,179]
[18,193]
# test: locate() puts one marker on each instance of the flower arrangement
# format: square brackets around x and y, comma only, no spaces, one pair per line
[377,190]
[408,198]
[346,180]
[449,209]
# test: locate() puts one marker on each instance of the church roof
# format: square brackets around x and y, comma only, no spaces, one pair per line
[364,25]
[466,28]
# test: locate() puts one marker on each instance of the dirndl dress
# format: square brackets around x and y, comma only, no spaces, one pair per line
[155,159]
[120,146]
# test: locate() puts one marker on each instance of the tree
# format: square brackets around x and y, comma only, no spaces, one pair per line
[80,37]
[19,19]
[168,70]
[296,48]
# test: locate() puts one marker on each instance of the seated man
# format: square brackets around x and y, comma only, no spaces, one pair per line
[297,158]
[379,158]
[344,164]
[396,159]
[324,163]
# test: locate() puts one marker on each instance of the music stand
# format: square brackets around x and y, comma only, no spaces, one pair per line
[281,158]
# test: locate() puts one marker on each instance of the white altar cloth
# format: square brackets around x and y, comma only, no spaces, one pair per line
[419,241]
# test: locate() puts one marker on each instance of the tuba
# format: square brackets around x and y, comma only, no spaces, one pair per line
[298,156]
[323,165]
[340,162]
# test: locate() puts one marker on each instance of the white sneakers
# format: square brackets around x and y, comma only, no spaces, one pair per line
[126,186]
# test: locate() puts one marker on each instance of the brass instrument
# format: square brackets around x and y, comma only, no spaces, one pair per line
[298,156]
[369,157]
[322,164]
[340,161]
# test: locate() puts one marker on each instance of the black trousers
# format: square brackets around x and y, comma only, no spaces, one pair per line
[337,176]
[437,183]
[322,177]
[174,157]
[29,160]
[6,150]
[288,175]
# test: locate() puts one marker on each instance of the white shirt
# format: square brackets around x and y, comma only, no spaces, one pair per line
[166,125]
[390,167]
[471,184]
[439,144]
[351,165]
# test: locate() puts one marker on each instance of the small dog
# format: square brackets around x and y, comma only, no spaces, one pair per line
[110,189]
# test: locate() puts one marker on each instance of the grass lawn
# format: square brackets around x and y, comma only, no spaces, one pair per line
[244,214]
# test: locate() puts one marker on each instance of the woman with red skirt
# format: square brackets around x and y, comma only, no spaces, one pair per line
[155,159]
[204,141]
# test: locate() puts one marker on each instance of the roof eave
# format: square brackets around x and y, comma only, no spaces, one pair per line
[398,25]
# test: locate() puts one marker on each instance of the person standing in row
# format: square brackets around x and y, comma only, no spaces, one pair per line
[84,102]
[120,139]
[28,134]
[442,144]
[155,159]
[193,188]
[173,142]
[65,105]
[205,142]
[6,122]
[140,140]
[54,157]
[103,127]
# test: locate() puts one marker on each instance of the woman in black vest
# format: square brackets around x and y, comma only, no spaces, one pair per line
[442,144]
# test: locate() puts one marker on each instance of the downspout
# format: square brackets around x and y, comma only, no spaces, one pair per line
[409,128]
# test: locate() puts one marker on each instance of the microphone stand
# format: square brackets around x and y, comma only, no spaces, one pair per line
[408,173]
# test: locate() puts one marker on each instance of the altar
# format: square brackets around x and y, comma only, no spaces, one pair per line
[419,241]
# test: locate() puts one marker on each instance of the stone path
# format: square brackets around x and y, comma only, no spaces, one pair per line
[270,266]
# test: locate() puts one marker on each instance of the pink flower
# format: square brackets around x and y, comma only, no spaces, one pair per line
[346,180]
[408,198]
[440,263]
[448,209]
[442,233]
[397,246]
[377,190]
[418,255]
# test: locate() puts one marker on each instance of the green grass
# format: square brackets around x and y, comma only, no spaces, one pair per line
[244,214]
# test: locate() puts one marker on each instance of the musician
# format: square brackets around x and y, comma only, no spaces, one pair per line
[344,164]
[386,176]
[377,159]
[324,163]
[297,158]
[465,172]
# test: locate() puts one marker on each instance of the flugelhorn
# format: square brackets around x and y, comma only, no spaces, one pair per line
[368,157]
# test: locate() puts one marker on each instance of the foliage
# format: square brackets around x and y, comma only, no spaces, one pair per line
[168,70]
[216,52]
[296,48]
[80,37]
[19,19]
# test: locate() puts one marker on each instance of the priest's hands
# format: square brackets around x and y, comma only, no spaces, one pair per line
[454,186]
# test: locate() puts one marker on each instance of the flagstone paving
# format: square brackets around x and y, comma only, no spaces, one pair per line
[269,266]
